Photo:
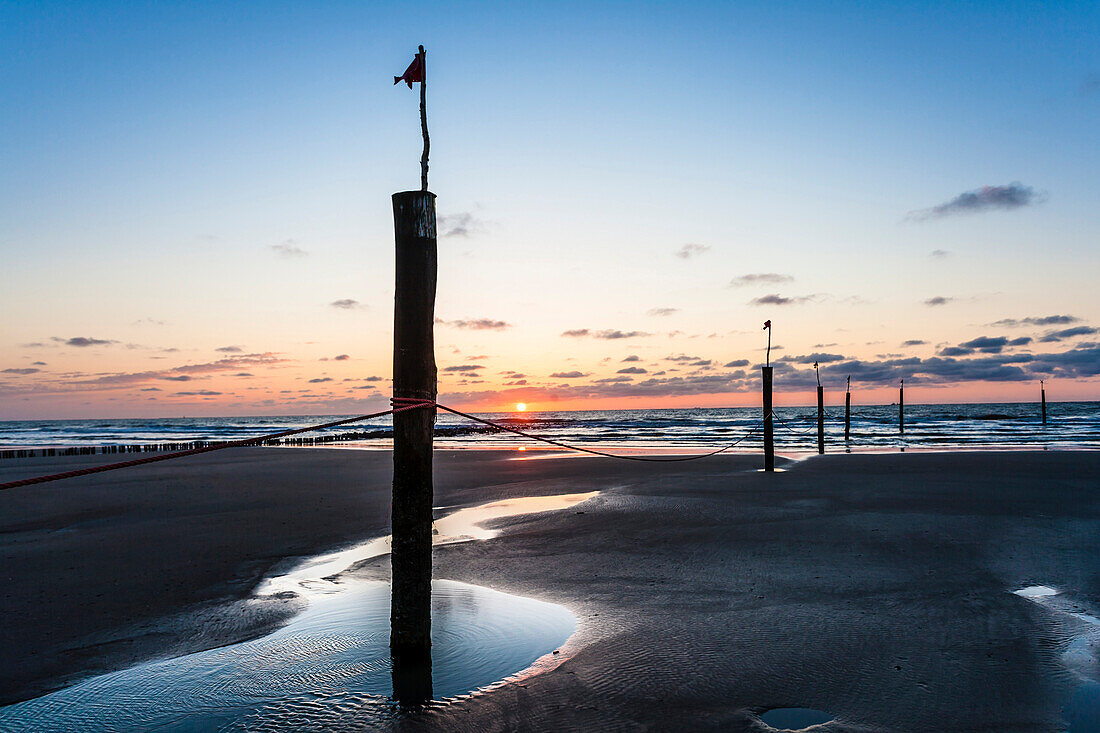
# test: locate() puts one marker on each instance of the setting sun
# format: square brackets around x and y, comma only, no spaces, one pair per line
[521,406]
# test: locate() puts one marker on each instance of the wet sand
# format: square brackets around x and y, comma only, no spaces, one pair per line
[876,588]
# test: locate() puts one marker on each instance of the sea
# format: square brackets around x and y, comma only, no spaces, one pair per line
[1069,425]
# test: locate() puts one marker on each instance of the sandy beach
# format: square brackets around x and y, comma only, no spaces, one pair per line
[877,588]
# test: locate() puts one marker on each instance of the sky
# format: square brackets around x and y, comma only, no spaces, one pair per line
[195,212]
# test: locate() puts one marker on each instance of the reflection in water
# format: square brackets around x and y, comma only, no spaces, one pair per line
[330,665]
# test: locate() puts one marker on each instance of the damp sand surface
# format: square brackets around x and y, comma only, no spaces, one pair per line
[876,588]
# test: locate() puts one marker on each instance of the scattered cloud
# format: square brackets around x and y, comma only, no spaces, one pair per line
[820,357]
[461,368]
[939,254]
[24,370]
[319,380]
[691,250]
[477,324]
[606,334]
[341,357]
[736,363]
[229,349]
[177,378]
[288,250]
[987,198]
[632,370]
[760,278]
[776,299]
[1067,333]
[938,300]
[632,357]
[347,304]
[914,342]
[462,224]
[83,341]
[200,393]
[38,363]
[576,332]
[1036,321]
[568,375]
[662,311]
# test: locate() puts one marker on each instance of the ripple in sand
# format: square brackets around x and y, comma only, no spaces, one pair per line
[794,718]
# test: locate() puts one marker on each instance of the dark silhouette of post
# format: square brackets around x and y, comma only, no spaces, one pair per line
[414,377]
[848,410]
[1043,398]
[769,433]
[820,419]
[901,408]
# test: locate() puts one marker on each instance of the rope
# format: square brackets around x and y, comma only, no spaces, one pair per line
[650,459]
[790,429]
[194,451]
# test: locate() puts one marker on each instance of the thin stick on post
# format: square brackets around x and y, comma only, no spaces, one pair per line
[901,408]
[820,412]
[424,119]
[1043,397]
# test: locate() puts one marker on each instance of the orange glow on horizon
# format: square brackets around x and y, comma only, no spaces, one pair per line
[521,407]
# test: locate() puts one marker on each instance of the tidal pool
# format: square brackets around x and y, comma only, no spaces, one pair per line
[330,665]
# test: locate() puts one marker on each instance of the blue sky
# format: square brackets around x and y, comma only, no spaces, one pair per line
[156,154]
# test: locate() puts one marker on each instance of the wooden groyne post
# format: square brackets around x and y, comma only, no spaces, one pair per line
[1043,399]
[769,432]
[848,410]
[820,412]
[901,408]
[414,376]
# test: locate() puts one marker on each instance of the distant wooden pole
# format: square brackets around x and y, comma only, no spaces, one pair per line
[769,434]
[820,419]
[848,410]
[414,376]
[1043,397]
[901,408]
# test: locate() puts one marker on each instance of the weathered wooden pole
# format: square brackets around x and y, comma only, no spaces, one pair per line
[1043,398]
[848,410]
[901,408]
[769,433]
[414,377]
[820,419]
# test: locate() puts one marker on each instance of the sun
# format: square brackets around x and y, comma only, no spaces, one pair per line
[521,406]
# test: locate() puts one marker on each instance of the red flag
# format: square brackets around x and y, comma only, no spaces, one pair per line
[415,72]
[767,325]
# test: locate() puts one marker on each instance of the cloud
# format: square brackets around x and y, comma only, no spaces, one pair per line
[760,278]
[478,324]
[681,358]
[632,357]
[84,341]
[201,393]
[661,311]
[1036,321]
[177,378]
[938,300]
[243,374]
[38,363]
[606,334]
[461,368]
[987,198]
[229,349]
[736,363]
[691,250]
[939,254]
[462,224]
[820,357]
[341,357]
[1067,333]
[288,250]
[776,299]
[319,380]
[346,304]
[25,370]
[632,370]
[568,375]
[914,342]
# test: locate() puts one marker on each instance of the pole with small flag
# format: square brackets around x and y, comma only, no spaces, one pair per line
[766,379]
[820,411]
[414,378]
[1043,398]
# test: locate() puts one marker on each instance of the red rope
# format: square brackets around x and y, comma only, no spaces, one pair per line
[196,451]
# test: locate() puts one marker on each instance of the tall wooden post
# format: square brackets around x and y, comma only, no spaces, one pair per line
[901,408]
[769,433]
[1043,397]
[820,419]
[414,376]
[848,411]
